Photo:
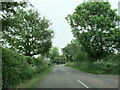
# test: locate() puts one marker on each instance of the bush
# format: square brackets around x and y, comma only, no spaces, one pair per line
[107,65]
[13,64]
[18,68]
[41,64]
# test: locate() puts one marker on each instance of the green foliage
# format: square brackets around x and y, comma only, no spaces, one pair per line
[10,60]
[35,82]
[54,54]
[28,32]
[18,68]
[41,64]
[94,25]
[108,65]
[8,9]
[10,6]
[61,59]
[74,52]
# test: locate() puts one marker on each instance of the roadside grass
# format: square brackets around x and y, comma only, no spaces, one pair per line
[78,68]
[90,69]
[86,69]
[35,81]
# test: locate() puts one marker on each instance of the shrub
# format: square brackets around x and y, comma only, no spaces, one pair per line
[108,64]
[18,68]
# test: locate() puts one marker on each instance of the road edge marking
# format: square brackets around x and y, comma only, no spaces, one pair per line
[82,83]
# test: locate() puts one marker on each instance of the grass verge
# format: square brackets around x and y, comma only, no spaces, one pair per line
[78,68]
[91,69]
[34,83]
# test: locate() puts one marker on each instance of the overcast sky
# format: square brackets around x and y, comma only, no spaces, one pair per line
[56,11]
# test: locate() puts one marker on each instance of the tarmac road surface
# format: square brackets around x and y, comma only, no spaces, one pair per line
[65,77]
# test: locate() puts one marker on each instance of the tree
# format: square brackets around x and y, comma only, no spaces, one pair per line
[61,59]
[54,54]
[10,6]
[29,34]
[94,25]
[68,52]
[8,9]
[74,52]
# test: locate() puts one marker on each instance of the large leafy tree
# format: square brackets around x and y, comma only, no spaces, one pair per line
[29,33]
[94,24]
[54,54]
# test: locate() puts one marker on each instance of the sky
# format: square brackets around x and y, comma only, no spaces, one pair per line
[56,11]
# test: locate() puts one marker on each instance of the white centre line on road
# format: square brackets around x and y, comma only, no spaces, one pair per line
[82,83]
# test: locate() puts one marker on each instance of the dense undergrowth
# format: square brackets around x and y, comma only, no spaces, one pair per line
[17,68]
[107,65]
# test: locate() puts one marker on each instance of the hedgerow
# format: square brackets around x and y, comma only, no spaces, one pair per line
[17,68]
[107,65]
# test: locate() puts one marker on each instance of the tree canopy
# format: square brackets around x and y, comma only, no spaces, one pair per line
[95,26]
[54,54]
[74,52]
[26,31]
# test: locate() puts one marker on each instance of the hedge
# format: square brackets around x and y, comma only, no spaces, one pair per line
[17,68]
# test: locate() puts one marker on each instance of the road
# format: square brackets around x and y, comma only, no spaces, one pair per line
[65,77]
